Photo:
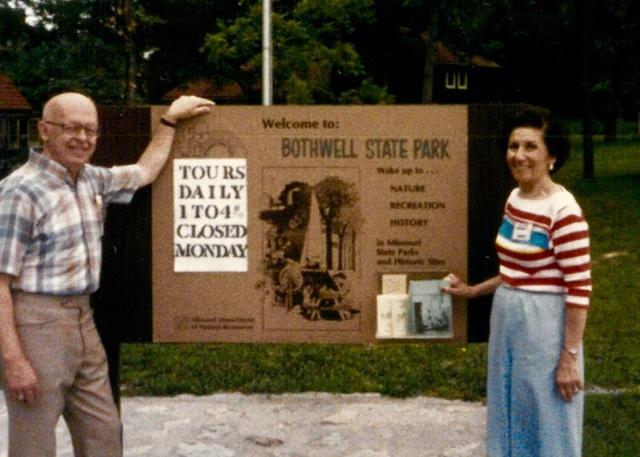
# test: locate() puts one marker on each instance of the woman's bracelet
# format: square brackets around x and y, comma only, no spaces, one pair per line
[573,352]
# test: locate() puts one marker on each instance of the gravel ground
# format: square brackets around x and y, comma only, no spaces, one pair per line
[292,425]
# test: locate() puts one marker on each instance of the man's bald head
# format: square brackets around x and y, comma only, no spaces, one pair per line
[59,105]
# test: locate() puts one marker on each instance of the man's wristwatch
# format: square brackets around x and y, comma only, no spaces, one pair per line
[167,122]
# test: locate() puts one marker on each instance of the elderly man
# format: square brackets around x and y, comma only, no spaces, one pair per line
[51,220]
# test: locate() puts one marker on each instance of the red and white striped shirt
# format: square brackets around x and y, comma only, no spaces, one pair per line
[543,246]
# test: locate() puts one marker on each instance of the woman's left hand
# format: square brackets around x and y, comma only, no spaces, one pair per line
[568,378]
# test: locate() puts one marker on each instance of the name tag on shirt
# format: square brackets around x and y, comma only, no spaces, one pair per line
[522,231]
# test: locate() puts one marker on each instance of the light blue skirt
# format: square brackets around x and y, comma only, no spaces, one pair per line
[527,417]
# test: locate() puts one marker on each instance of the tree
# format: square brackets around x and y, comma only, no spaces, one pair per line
[431,12]
[66,65]
[15,33]
[147,46]
[615,36]
[314,61]
[127,30]
[346,226]
[334,197]
[70,48]
[15,36]
[169,37]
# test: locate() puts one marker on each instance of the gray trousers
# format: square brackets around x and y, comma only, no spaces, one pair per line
[60,340]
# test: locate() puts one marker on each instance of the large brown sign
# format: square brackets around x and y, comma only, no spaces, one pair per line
[282,223]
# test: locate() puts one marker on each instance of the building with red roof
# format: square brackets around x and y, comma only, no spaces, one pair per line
[10,97]
[460,78]
[15,116]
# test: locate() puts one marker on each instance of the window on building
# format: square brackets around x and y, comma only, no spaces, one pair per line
[12,133]
[456,80]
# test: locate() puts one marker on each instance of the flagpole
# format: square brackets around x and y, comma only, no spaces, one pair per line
[267,70]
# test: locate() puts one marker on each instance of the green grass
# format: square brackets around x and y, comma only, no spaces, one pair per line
[611,426]
[611,203]
[396,370]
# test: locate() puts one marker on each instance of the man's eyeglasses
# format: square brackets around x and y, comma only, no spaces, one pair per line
[76,129]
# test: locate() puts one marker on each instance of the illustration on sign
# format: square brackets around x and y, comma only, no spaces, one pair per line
[202,141]
[310,246]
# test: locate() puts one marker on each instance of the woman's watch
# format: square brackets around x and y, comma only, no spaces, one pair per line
[572,351]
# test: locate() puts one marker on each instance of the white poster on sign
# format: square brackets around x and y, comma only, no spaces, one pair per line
[210,215]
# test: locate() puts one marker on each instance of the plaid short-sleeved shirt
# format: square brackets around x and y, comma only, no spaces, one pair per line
[51,228]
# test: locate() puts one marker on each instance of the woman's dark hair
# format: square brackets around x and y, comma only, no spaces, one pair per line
[555,134]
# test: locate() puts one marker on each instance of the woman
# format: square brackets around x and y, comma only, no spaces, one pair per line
[535,372]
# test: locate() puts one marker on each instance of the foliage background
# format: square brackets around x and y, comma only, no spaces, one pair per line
[325,51]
